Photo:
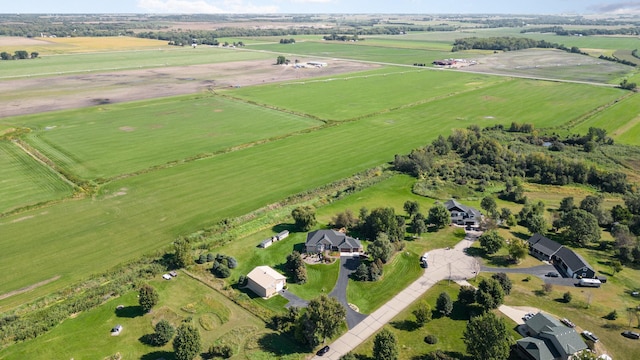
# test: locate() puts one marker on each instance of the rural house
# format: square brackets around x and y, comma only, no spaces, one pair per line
[265,281]
[463,215]
[568,260]
[331,240]
[548,339]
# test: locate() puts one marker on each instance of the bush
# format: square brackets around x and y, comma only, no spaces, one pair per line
[242,280]
[232,263]
[431,339]
[567,297]
[612,315]
[210,257]
[223,351]
[202,259]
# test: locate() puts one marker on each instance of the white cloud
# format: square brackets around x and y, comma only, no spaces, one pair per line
[203,7]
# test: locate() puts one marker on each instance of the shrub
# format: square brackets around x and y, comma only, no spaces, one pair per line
[567,297]
[232,263]
[242,280]
[612,315]
[547,288]
[223,351]
[210,257]
[431,339]
[202,259]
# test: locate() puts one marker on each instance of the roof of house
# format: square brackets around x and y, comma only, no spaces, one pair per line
[541,322]
[572,259]
[453,204]
[568,339]
[265,276]
[543,244]
[335,238]
[537,348]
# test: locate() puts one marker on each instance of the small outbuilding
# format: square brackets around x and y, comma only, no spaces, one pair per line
[265,281]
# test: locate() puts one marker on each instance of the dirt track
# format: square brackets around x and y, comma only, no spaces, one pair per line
[30,96]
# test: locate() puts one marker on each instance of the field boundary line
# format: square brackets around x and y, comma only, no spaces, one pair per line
[28,288]
[593,112]
[39,157]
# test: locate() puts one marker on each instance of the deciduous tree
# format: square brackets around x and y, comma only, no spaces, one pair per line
[323,318]
[164,331]
[490,294]
[147,297]
[187,342]
[439,216]
[486,337]
[182,256]
[304,217]
[518,249]
[381,248]
[491,241]
[489,205]
[444,305]
[385,346]
[411,207]
[422,313]
[580,227]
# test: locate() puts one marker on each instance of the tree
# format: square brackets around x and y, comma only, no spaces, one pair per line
[281,60]
[295,266]
[567,204]
[345,220]
[518,249]
[620,214]
[486,337]
[467,295]
[567,297]
[491,241]
[504,282]
[5,56]
[323,319]
[182,256]
[422,313]
[361,273]
[581,227]
[21,54]
[34,54]
[444,305]
[411,207]
[439,216]
[418,226]
[537,224]
[349,356]
[383,220]
[187,342]
[304,217]
[490,294]
[381,248]
[616,266]
[489,205]
[147,297]
[163,333]
[632,200]
[385,346]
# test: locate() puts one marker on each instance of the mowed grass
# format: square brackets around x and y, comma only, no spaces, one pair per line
[342,97]
[105,141]
[87,336]
[622,121]
[25,181]
[55,65]
[94,234]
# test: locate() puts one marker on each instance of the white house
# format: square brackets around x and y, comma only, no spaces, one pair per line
[265,281]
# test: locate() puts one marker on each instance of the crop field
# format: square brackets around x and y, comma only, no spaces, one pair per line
[620,120]
[153,208]
[64,45]
[122,60]
[102,142]
[26,181]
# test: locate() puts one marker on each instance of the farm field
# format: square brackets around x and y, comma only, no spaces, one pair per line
[620,120]
[64,45]
[26,181]
[103,142]
[154,208]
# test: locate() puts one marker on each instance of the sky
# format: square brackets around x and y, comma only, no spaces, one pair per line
[325,6]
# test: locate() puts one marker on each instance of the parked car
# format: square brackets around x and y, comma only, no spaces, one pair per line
[553,274]
[528,316]
[567,322]
[589,336]
[323,351]
[631,334]
[635,293]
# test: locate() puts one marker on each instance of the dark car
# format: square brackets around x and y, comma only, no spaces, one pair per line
[323,351]
[631,334]
[553,274]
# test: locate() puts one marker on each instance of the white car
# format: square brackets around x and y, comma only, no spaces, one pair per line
[166,277]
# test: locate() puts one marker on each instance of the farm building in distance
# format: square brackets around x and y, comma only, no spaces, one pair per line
[265,281]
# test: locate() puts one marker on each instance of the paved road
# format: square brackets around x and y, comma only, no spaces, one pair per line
[539,271]
[293,299]
[443,264]
[348,264]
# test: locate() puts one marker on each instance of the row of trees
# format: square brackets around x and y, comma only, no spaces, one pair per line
[18,55]
[561,31]
[508,43]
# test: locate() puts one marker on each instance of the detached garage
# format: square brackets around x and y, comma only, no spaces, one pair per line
[265,281]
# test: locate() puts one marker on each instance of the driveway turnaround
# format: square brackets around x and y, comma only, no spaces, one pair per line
[443,264]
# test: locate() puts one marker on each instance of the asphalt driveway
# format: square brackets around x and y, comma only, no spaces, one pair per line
[539,271]
[348,264]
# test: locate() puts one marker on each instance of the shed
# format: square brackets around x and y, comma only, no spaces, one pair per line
[116,330]
[283,234]
[265,281]
[266,243]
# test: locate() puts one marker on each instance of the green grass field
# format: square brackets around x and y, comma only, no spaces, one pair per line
[150,210]
[54,65]
[26,181]
[102,142]
[621,121]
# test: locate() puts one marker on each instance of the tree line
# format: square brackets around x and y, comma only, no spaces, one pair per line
[18,55]
[509,43]
[560,31]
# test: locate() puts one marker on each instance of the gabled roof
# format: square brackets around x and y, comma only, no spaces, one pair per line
[453,204]
[569,340]
[537,348]
[335,238]
[265,276]
[544,245]
[572,259]
[541,322]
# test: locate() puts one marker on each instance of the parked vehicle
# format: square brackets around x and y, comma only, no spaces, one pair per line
[589,336]
[631,334]
[567,322]
[423,260]
[528,316]
[635,293]
[589,283]
[323,351]
[553,274]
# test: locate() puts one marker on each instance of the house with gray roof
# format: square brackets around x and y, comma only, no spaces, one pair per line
[549,339]
[573,264]
[542,248]
[331,240]
[462,214]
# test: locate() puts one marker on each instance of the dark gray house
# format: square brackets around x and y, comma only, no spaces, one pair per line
[548,339]
[542,248]
[331,240]
[463,215]
[573,264]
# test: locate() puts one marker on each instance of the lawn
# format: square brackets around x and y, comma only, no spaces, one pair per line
[26,181]
[106,141]
[87,336]
[620,120]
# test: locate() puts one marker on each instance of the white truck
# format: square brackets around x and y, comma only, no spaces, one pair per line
[589,283]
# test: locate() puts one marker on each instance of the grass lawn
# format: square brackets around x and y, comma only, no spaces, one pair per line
[620,120]
[26,181]
[87,336]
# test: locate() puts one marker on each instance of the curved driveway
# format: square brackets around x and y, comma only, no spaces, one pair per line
[348,264]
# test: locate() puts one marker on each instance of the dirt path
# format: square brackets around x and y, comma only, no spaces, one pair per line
[28,288]
[30,96]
